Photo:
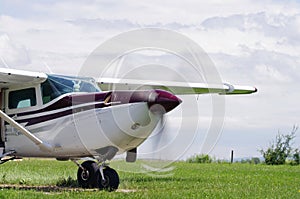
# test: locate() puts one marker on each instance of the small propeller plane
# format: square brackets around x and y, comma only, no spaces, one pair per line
[70,118]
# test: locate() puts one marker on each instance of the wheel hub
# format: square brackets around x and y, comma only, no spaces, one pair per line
[85,175]
[105,182]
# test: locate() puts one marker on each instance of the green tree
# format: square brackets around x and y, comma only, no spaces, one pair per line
[280,149]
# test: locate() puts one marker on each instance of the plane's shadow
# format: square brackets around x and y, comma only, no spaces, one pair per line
[68,184]
[46,188]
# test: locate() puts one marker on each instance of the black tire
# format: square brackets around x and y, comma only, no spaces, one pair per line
[88,178]
[111,182]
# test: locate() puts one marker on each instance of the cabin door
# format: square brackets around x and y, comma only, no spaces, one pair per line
[2,131]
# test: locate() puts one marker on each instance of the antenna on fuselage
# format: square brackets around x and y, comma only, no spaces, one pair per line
[4,62]
[47,66]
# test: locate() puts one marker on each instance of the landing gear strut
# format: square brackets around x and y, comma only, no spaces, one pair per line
[90,175]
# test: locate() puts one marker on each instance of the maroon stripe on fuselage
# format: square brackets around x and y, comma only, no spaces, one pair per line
[70,100]
[121,97]
[36,120]
[102,99]
[65,102]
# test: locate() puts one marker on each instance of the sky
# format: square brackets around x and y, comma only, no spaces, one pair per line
[253,43]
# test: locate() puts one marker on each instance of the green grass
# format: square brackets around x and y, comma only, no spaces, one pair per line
[38,179]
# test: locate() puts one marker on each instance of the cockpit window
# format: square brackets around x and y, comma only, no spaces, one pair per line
[56,85]
[21,98]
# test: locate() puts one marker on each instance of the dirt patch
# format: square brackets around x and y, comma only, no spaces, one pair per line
[46,188]
[49,189]
[126,190]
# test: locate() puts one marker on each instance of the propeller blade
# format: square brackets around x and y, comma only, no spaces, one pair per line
[157,139]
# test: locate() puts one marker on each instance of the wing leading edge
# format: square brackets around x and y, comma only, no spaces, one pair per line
[178,88]
[13,77]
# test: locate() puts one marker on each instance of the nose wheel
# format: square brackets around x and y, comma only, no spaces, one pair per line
[90,175]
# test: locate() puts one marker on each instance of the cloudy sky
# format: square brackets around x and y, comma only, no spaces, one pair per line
[250,42]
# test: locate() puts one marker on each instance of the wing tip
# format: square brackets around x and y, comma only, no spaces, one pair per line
[255,90]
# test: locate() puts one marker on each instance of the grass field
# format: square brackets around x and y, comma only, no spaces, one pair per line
[38,179]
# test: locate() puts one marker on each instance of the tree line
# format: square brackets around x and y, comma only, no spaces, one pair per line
[280,151]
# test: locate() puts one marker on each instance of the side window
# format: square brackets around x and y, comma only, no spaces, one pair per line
[21,98]
[48,93]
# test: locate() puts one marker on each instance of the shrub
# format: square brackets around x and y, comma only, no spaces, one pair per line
[296,158]
[202,158]
[255,160]
[280,149]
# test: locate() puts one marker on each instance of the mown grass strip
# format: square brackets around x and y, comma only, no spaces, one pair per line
[52,179]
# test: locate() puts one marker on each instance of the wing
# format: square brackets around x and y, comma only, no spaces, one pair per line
[12,77]
[178,88]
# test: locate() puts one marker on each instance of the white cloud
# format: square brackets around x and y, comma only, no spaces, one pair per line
[12,54]
[256,30]
[269,72]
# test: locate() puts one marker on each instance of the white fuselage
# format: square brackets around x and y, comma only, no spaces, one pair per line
[93,132]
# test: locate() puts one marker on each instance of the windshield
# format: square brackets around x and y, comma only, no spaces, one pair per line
[57,85]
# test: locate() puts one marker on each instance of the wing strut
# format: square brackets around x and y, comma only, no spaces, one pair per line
[43,145]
